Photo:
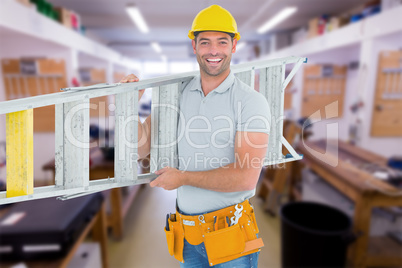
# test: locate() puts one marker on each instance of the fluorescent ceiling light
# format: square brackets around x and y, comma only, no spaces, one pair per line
[240,45]
[156,47]
[136,16]
[281,16]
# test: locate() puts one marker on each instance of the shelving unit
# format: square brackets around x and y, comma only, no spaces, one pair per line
[361,43]
[26,33]
[358,44]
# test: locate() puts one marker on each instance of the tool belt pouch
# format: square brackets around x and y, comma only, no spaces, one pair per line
[233,242]
[224,243]
[175,239]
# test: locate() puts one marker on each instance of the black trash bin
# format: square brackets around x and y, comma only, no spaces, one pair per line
[314,235]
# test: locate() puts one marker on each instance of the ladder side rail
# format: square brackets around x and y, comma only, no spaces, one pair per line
[292,151]
[154,154]
[59,145]
[272,84]
[280,99]
[262,64]
[292,73]
[54,191]
[70,96]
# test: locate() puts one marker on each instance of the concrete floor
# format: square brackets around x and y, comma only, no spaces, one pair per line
[144,242]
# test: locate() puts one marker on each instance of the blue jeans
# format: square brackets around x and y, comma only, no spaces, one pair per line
[196,257]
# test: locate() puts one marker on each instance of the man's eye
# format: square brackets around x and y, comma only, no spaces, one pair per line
[204,43]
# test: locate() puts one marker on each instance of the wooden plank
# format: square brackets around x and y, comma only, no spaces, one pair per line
[386,120]
[100,235]
[384,252]
[19,143]
[361,225]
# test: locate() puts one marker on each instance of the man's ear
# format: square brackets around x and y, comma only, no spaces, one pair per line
[234,45]
[193,43]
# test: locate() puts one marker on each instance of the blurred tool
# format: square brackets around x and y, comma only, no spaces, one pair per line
[3,159]
[393,83]
[237,215]
[105,138]
[167,222]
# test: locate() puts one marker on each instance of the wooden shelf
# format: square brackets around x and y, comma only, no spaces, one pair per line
[351,35]
[19,19]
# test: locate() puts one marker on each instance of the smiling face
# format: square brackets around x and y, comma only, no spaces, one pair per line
[214,52]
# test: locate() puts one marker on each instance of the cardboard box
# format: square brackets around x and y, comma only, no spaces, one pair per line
[337,22]
[313,28]
[10,66]
[64,16]
[90,76]
[24,2]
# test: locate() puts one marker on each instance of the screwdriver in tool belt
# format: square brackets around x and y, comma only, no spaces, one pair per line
[227,223]
[167,222]
[215,223]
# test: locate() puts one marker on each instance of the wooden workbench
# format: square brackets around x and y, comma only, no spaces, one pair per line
[351,173]
[98,228]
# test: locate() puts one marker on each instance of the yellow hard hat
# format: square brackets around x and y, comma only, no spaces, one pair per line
[214,18]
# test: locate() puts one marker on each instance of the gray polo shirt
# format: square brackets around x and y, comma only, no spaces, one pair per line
[207,129]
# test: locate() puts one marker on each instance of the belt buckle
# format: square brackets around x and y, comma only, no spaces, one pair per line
[201,218]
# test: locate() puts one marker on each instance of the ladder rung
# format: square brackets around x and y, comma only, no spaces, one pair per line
[19,144]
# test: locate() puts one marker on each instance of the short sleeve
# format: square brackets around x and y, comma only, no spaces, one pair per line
[254,113]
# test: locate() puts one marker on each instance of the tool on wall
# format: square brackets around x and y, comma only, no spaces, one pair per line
[323,84]
[387,106]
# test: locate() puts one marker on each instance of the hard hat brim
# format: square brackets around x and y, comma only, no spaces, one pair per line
[192,36]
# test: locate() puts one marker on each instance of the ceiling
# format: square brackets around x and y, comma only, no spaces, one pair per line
[170,20]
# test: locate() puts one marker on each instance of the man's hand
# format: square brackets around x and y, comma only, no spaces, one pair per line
[169,178]
[133,78]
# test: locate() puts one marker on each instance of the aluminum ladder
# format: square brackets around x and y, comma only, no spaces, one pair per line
[72,131]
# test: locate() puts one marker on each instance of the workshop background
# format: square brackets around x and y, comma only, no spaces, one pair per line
[343,112]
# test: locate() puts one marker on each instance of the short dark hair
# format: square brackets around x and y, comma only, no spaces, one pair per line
[232,35]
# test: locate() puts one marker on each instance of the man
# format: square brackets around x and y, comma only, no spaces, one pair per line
[219,165]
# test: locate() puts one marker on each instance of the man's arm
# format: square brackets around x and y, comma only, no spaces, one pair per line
[144,129]
[242,175]
[144,137]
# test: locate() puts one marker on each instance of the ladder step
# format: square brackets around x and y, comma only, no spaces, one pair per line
[19,144]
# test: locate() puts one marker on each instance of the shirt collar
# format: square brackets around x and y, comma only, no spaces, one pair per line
[224,86]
